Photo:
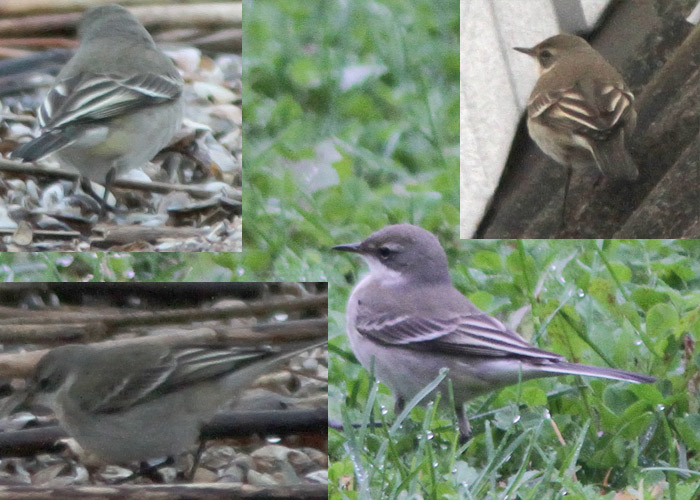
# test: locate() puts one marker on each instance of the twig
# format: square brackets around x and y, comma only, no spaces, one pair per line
[93,329]
[163,187]
[7,53]
[24,7]
[39,42]
[142,318]
[201,491]
[206,15]
[45,234]
[121,235]
[16,167]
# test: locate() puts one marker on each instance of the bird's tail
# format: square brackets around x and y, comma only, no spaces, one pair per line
[47,143]
[613,159]
[565,368]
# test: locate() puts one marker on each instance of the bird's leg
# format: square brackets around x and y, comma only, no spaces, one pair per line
[399,404]
[150,470]
[108,184]
[102,200]
[86,186]
[197,457]
[465,430]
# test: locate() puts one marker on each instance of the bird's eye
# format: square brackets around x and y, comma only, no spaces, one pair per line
[43,383]
[545,54]
[384,252]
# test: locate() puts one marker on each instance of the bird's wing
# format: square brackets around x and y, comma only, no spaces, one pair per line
[175,368]
[91,97]
[469,334]
[582,110]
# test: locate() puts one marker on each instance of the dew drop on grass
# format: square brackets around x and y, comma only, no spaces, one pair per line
[64,261]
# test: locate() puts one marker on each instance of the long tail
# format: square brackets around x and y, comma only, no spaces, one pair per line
[596,371]
[613,159]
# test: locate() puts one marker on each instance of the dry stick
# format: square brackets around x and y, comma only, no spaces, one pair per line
[301,329]
[24,7]
[150,295]
[39,42]
[50,334]
[24,26]
[230,40]
[278,423]
[141,318]
[7,53]
[19,364]
[164,187]
[93,330]
[207,15]
[201,491]
[15,167]
[227,40]
[121,235]
[45,233]
[197,15]
[30,442]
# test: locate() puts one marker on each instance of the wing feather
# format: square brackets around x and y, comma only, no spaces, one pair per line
[569,109]
[176,368]
[475,334]
[87,98]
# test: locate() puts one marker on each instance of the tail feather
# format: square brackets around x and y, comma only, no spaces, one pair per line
[613,159]
[48,142]
[565,368]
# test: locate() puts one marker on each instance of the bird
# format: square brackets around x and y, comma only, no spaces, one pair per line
[581,111]
[113,106]
[406,322]
[133,402]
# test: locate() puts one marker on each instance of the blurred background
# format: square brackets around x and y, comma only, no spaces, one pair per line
[351,123]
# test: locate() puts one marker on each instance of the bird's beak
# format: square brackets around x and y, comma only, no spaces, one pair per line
[350,247]
[529,52]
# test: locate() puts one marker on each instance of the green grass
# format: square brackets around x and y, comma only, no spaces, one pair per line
[123,266]
[351,122]
[628,304]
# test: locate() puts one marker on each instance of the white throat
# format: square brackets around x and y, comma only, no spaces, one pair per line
[382,274]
